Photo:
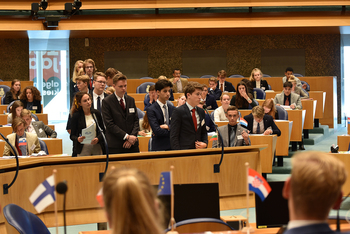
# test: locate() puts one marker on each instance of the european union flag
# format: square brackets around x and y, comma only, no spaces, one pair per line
[164,187]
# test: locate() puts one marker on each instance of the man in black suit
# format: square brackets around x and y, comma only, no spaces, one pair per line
[188,129]
[214,90]
[208,99]
[120,117]
[98,94]
[315,186]
[224,85]
[259,123]
[159,115]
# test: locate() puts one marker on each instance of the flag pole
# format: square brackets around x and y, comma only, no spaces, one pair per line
[248,229]
[172,220]
[56,216]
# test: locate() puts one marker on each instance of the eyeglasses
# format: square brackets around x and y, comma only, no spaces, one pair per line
[101,82]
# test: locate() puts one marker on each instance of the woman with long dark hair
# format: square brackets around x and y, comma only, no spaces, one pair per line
[14,92]
[243,98]
[31,99]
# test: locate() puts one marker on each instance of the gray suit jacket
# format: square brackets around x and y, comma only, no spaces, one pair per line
[294,99]
[42,130]
[224,131]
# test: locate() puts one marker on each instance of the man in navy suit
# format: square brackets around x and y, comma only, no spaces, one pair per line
[224,85]
[120,117]
[188,129]
[214,90]
[209,99]
[98,94]
[159,115]
[315,186]
[150,97]
[259,123]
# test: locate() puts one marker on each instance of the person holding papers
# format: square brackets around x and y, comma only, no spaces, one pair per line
[259,123]
[25,143]
[87,139]
[287,98]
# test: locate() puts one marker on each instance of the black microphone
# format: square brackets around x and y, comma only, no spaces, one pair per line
[62,188]
[6,186]
[216,166]
[338,219]
[101,175]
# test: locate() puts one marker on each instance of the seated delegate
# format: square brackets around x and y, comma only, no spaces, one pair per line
[37,127]
[31,99]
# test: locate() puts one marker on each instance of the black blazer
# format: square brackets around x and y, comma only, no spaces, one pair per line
[216,93]
[160,136]
[246,106]
[9,98]
[182,132]
[36,105]
[263,83]
[210,101]
[119,122]
[78,123]
[228,86]
[268,122]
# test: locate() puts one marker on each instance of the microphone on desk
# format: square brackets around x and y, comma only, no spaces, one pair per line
[216,166]
[106,146]
[6,186]
[62,188]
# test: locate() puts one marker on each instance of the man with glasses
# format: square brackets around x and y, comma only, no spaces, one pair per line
[98,94]
[90,68]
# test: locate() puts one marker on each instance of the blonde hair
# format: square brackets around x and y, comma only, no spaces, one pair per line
[25,112]
[258,111]
[130,203]
[75,72]
[316,183]
[251,78]
[270,104]
[162,78]
[110,89]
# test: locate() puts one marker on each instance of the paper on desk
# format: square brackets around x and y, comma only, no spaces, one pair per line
[7,157]
[89,133]
[286,107]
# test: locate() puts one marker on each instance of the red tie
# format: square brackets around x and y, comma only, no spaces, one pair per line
[222,87]
[18,149]
[194,118]
[286,102]
[122,103]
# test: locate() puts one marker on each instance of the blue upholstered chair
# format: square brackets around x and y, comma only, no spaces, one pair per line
[146,77]
[140,113]
[3,100]
[269,87]
[266,75]
[34,116]
[307,85]
[143,88]
[201,225]
[236,76]
[43,146]
[259,93]
[9,106]
[206,76]
[184,76]
[282,113]
[24,221]
[3,90]
[298,75]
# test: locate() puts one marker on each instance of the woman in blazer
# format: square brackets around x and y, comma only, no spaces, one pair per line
[82,117]
[256,80]
[243,98]
[31,99]
[14,92]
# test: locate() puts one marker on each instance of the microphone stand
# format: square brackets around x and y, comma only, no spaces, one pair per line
[216,166]
[6,186]
[101,175]
[338,219]
[62,188]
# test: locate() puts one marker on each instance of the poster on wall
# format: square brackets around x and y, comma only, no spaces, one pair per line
[47,62]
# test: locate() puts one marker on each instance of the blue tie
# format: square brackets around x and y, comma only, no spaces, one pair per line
[166,115]
[258,129]
[98,104]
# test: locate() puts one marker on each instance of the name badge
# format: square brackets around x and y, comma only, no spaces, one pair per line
[203,122]
[33,147]
[239,137]
[131,110]
[35,107]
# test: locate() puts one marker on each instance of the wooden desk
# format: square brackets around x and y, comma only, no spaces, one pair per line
[320,96]
[343,143]
[298,117]
[271,94]
[3,108]
[3,119]
[244,112]
[282,148]
[310,107]
[140,105]
[138,96]
[82,174]
[345,158]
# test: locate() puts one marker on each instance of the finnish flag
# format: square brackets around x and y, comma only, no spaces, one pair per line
[44,194]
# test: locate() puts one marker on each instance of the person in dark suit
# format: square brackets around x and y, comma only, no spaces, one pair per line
[120,117]
[208,121]
[259,123]
[224,85]
[188,129]
[240,136]
[315,186]
[159,115]
[84,116]
[213,88]
[14,93]
[98,93]
[37,127]
[31,99]
[256,80]
[150,97]
[209,99]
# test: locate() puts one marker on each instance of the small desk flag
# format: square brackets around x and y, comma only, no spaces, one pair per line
[99,197]
[44,194]
[258,184]
[243,122]
[164,187]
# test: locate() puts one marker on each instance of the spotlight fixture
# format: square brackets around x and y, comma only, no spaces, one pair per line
[39,6]
[72,7]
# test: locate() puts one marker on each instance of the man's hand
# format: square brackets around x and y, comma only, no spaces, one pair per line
[127,145]
[132,139]
[292,106]
[200,145]
[176,79]
[81,138]
[245,135]
[164,126]
[142,133]
[277,104]
[268,131]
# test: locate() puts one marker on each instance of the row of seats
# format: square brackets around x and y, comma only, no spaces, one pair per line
[232,76]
